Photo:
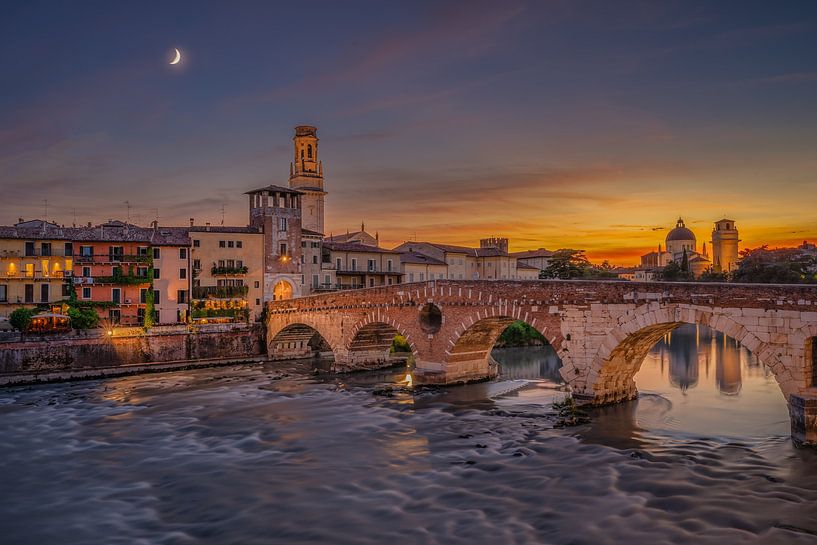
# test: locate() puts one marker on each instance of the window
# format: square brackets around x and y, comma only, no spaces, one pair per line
[338,264]
[182,274]
[327,280]
[69,249]
[4,293]
[422,277]
[230,244]
[411,277]
[303,244]
[315,281]
[371,265]
[116,271]
[258,301]
[114,316]
[239,263]
[143,296]
[44,293]
[29,293]
[354,264]
[314,260]
[66,290]
[257,284]
[197,264]
[30,249]
[86,251]
[156,273]
[182,253]
[86,271]
[45,248]
[231,263]
[283,249]
[371,282]
[222,243]
[239,244]
[282,224]
[388,265]
[116,295]
[309,151]
[140,316]
[196,243]
[221,263]
[115,253]
[181,296]
[142,251]
[142,272]
[156,253]
[156,294]
[86,293]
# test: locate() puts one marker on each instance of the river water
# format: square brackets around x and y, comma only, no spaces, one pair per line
[272,454]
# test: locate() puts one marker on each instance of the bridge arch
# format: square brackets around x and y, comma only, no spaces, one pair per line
[301,338]
[610,376]
[370,339]
[471,343]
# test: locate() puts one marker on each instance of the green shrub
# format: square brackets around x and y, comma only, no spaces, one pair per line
[83,318]
[20,319]
[400,344]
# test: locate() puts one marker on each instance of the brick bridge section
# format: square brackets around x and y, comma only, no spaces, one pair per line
[602,331]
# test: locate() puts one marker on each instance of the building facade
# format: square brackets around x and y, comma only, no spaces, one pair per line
[36,263]
[362,266]
[228,273]
[306,176]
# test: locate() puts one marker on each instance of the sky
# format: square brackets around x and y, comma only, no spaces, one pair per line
[590,125]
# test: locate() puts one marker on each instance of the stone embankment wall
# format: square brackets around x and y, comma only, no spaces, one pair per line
[36,354]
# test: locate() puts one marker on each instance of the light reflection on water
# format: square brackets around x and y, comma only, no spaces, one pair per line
[270,454]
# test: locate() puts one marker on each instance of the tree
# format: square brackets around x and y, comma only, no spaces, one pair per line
[565,264]
[710,275]
[685,262]
[83,318]
[673,273]
[20,319]
[778,266]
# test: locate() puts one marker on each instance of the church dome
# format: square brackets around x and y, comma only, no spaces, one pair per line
[680,232]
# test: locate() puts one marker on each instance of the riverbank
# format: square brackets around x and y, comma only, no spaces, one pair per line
[35,358]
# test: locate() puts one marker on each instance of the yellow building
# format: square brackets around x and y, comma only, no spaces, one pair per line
[36,260]
[491,261]
[417,267]
[228,273]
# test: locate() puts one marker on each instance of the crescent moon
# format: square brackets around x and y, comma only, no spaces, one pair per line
[178,57]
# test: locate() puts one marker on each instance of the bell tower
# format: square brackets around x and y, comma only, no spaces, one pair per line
[306,175]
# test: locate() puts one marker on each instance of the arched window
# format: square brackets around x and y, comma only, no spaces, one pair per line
[309,151]
[282,290]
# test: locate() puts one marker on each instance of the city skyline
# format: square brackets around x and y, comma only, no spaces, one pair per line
[445,123]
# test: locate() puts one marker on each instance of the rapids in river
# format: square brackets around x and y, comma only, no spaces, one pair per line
[273,453]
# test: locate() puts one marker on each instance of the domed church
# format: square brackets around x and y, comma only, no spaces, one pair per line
[680,240]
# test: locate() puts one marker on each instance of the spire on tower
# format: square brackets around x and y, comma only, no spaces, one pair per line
[362,226]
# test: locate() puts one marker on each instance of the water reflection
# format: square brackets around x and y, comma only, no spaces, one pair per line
[528,362]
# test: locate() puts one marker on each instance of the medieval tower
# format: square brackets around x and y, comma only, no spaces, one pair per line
[306,176]
[725,246]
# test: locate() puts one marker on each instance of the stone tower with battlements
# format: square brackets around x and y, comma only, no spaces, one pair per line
[725,246]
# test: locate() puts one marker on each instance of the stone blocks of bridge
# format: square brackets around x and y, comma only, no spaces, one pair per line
[602,331]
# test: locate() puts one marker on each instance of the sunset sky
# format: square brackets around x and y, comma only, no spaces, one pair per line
[557,124]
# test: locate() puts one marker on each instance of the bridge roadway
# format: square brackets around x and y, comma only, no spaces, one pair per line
[601,330]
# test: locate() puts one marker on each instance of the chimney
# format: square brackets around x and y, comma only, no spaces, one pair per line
[19,220]
[191,222]
[89,224]
[154,224]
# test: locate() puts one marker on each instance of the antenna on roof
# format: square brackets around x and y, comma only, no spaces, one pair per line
[155,214]
[222,213]
[74,210]
[127,205]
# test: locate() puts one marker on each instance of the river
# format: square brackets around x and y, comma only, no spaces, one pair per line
[274,454]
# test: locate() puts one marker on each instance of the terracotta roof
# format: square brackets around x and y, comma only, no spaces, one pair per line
[475,252]
[275,188]
[310,232]
[413,257]
[119,231]
[541,252]
[355,247]
[223,229]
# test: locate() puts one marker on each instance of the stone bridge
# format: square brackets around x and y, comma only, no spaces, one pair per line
[602,331]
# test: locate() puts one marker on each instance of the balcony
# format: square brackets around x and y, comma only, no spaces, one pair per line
[220,292]
[113,258]
[226,271]
[9,254]
[124,279]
